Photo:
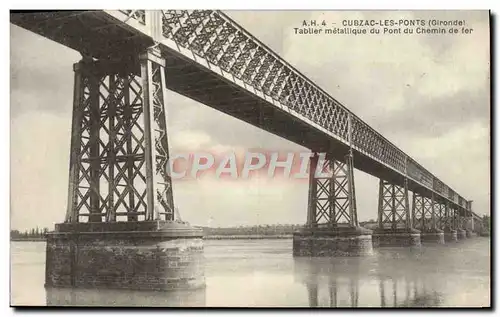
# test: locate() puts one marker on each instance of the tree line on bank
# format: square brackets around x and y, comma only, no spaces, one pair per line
[278,229]
[33,234]
[281,229]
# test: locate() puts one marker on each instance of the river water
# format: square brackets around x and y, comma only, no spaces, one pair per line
[263,273]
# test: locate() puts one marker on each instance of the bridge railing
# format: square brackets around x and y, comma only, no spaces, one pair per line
[373,143]
[221,41]
[215,37]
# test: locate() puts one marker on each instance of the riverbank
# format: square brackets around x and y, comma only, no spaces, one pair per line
[27,239]
[210,237]
[225,237]
[248,237]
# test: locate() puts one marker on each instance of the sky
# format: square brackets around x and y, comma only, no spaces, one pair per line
[428,94]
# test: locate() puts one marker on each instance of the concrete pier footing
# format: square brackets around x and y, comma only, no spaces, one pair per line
[396,238]
[450,235]
[352,241]
[432,236]
[145,255]
[461,234]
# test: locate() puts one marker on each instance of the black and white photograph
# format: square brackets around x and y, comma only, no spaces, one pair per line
[250,158]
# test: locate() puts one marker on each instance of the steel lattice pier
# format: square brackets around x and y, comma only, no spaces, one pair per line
[119,147]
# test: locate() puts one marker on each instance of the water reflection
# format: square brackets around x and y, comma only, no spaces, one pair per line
[265,274]
[363,282]
[415,294]
[104,297]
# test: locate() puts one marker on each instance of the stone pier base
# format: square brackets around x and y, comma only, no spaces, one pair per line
[152,255]
[461,234]
[450,235]
[398,238]
[333,242]
[432,236]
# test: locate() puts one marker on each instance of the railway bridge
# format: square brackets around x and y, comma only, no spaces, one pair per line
[120,228]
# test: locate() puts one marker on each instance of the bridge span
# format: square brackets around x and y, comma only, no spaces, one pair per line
[119,136]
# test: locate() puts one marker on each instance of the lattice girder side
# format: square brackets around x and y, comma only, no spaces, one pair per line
[213,36]
[118,118]
[331,193]
[369,141]
[221,41]
[423,217]
[393,206]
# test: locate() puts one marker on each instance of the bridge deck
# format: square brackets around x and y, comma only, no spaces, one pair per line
[213,60]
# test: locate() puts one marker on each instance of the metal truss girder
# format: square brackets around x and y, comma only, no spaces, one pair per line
[237,52]
[220,41]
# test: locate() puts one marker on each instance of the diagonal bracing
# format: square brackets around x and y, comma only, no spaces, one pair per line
[393,206]
[331,193]
[119,148]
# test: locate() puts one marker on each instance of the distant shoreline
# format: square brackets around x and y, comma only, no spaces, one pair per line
[248,237]
[219,237]
[27,239]
[210,237]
